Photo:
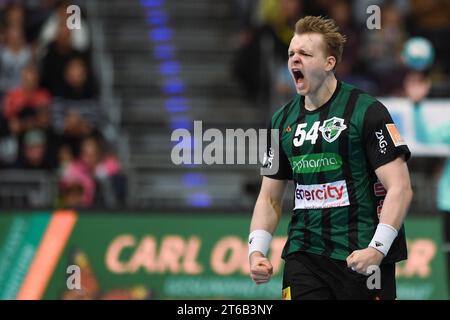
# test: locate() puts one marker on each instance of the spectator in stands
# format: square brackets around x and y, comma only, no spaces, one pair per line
[381,52]
[279,18]
[65,157]
[25,120]
[13,58]
[34,152]
[97,172]
[79,38]
[77,187]
[78,82]
[75,129]
[431,19]
[244,10]
[105,170]
[37,13]
[268,41]
[27,94]
[14,16]
[341,12]
[51,136]
[8,144]
[19,14]
[56,56]
[29,125]
[12,133]
[71,194]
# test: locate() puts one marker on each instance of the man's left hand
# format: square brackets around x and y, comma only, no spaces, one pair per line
[360,260]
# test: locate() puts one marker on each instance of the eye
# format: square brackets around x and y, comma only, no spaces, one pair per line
[290,54]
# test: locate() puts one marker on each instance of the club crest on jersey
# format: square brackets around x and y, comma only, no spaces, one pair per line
[332,128]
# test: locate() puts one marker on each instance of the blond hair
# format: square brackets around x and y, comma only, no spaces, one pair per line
[333,39]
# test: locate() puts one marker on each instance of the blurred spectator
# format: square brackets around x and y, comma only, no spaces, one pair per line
[88,110]
[13,57]
[65,156]
[14,16]
[8,144]
[76,128]
[38,12]
[58,53]
[245,11]
[431,19]
[319,7]
[25,120]
[341,12]
[71,195]
[34,151]
[97,173]
[105,168]
[381,52]
[264,45]
[279,19]
[29,125]
[27,94]
[53,139]
[79,38]
[78,81]
[76,186]
[17,14]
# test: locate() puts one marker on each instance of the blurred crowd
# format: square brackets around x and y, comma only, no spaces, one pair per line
[372,58]
[49,113]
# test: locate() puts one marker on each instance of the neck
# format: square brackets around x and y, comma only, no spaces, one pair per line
[318,98]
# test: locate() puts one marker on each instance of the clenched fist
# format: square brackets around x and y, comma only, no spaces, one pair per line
[360,260]
[260,268]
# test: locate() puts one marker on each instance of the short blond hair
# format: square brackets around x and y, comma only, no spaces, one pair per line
[334,40]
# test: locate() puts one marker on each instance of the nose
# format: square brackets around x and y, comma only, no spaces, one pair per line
[295,58]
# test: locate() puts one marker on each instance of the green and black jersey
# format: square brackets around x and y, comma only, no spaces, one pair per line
[331,154]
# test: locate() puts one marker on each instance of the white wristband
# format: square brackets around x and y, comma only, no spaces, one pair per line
[383,238]
[259,240]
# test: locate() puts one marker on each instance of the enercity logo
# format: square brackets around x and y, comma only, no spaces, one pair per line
[319,196]
[317,162]
[235,146]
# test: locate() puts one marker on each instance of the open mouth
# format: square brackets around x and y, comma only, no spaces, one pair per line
[298,75]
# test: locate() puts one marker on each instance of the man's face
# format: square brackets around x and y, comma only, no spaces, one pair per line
[307,62]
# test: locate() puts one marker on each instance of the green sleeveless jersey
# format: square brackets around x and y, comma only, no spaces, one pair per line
[331,155]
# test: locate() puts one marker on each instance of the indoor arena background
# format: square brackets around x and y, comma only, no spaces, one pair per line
[109,84]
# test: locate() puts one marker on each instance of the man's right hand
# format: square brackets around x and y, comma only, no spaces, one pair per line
[260,268]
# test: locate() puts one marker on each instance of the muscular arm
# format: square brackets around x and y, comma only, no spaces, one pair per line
[266,216]
[395,178]
[267,212]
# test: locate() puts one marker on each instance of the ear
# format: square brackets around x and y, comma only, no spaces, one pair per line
[330,63]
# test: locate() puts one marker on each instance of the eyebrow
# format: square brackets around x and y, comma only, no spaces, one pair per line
[301,50]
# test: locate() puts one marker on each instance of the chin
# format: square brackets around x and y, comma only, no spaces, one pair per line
[302,92]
